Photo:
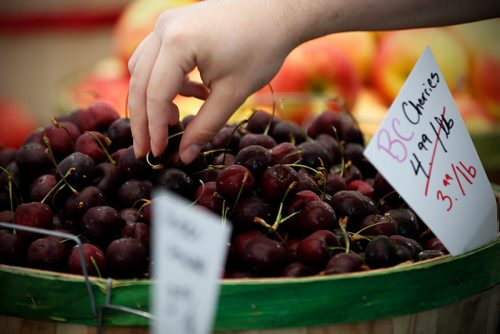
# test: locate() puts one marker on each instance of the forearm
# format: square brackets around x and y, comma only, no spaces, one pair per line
[321,17]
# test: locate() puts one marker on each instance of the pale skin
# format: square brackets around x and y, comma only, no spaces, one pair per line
[239,45]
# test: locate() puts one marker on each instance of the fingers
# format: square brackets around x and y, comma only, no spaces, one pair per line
[165,81]
[155,81]
[139,82]
[137,53]
[214,113]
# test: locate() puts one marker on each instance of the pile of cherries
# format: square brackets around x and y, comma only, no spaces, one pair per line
[302,201]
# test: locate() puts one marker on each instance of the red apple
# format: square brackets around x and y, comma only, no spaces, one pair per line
[315,68]
[399,51]
[478,37]
[359,46]
[369,111]
[16,122]
[476,117]
[107,82]
[485,82]
[481,41]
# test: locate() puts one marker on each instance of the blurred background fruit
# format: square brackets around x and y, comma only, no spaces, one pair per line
[107,81]
[398,51]
[16,122]
[317,67]
[363,71]
[483,44]
[136,21]
[44,42]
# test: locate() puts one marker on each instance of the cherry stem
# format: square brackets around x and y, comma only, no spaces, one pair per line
[154,166]
[315,171]
[52,158]
[94,263]
[289,216]
[343,167]
[273,111]
[240,124]
[10,180]
[55,194]
[59,126]
[225,212]
[203,191]
[278,220]
[262,222]
[161,166]
[348,114]
[209,167]
[103,147]
[215,150]
[343,227]
[270,229]
[177,134]
[68,173]
[384,197]
[341,148]
[143,201]
[240,191]
[356,237]
[321,172]
[323,180]
[358,233]
[293,153]
[338,248]
[48,151]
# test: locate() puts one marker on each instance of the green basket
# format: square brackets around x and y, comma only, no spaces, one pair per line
[252,304]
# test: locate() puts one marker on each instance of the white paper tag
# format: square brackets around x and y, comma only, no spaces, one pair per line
[425,152]
[188,256]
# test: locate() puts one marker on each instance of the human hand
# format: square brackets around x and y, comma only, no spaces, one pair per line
[237,49]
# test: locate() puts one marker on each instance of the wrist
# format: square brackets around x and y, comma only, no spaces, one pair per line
[301,20]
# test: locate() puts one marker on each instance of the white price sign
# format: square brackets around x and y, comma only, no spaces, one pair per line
[425,152]
[188,254]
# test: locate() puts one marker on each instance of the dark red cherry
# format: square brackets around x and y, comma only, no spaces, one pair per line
[315,215]
[102,224]
[264,256]
[82,169]
[343,263]
[95,260]
[254,157]
[33,214]
[126,258]
[297,269]
[50,253]
[234,180]
[276,181]
[316,249]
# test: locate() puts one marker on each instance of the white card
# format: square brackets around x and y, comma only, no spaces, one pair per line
[188,256]
[425,152]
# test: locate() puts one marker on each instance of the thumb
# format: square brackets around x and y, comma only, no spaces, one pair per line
[212,116]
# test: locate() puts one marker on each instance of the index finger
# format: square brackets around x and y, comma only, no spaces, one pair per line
[165,83]
[139,79]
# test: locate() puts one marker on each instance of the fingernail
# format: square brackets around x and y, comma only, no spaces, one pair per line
[190,153]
